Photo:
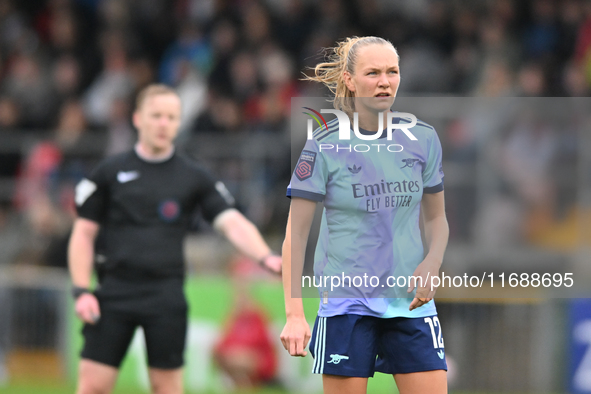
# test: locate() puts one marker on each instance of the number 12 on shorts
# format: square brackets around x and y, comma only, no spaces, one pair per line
[437,339]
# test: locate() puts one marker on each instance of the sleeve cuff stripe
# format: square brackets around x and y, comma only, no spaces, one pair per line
[433,189]
[305,194]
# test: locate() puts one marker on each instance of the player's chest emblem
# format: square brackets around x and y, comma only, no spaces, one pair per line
[169,210]
[410,162]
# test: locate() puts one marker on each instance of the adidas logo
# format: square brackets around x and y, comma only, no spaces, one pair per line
[355,169]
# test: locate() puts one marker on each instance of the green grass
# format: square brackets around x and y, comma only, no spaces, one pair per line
[53,388]
[50,389]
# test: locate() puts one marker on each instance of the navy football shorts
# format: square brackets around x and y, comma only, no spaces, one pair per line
[358,346]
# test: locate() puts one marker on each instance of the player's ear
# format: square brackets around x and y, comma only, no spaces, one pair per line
[136,119]
[348,78]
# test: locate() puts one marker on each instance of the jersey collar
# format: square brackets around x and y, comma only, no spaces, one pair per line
[151,160]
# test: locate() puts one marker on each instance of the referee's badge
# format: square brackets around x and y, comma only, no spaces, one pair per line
[169,210]
[305,165]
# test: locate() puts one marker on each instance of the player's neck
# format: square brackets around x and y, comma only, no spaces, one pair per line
[148,153]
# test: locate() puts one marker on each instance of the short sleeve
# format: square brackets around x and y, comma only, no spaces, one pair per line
[433,171]
[91,195]
[214,197]
[310,175]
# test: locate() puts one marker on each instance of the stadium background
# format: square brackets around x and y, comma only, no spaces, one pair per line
[517,197]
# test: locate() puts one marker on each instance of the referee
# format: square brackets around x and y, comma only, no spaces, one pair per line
[143,201]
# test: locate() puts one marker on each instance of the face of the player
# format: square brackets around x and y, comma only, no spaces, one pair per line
[158,121]
[375,79]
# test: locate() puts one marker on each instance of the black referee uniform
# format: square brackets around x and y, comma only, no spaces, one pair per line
[144,209]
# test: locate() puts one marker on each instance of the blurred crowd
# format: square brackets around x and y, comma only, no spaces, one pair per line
[70,69]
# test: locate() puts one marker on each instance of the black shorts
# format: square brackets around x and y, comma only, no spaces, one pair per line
[107,340]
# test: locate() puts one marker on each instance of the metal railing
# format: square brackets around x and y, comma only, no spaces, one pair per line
[34,322]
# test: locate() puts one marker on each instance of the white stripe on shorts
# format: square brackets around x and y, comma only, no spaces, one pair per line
[316,346]
[323,345]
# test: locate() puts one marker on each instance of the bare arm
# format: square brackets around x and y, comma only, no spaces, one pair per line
[81,251]
[435,224]
[436,236]
[296,333]
[80,263]
[245,237]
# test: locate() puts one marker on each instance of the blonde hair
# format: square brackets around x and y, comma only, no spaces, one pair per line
[154,89]
[343,58]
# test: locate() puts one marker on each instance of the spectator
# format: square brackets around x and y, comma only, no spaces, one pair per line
[114,81]
[28,85]
[66,77]
[496,80]
[244,77]
[224,40]
[192,90]
[574,82]
[45,189]
[256,25]
[9,114]
[192,47]
[245,351]
[120,134]
[13,27]
[222,114]
[233,61]
[541,37]
[10,157]
[531,80]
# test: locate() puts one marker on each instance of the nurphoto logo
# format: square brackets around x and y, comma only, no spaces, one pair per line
[344,129]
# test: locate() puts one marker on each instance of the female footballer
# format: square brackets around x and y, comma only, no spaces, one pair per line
[373,199]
